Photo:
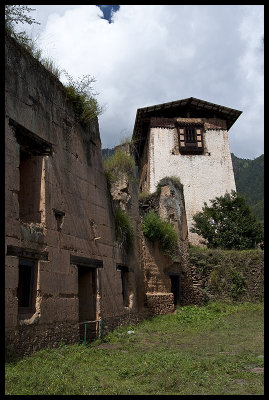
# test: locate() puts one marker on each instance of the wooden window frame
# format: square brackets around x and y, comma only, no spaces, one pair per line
[190,139]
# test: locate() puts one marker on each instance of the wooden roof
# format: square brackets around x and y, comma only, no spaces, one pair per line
[185,108]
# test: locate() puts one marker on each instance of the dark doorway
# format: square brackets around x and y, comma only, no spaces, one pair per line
[87,301]
[175,287]
[124,283]
[25,292]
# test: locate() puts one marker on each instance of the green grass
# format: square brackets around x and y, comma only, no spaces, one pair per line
[124,228]
[117,164]
[212,350]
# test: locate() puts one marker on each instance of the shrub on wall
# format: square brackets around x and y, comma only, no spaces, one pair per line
[120,162]
[124,229]
[228,274]
[155,229]
[83,99]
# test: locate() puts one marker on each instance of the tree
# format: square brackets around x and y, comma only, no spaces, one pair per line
[228,223]
[15,14]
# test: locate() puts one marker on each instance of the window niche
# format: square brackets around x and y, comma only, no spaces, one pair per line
[190,139]
[30,187]
[32,151]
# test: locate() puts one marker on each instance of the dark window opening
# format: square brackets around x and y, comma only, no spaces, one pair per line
[190,135]
[30,187]
[25,290]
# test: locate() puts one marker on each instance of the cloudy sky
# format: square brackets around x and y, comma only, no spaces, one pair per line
[151,54]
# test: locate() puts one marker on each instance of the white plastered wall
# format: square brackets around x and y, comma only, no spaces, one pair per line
[204,176]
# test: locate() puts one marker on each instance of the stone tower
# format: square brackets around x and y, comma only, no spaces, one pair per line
[187,139]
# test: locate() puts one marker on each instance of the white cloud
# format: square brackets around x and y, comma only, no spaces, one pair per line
[153,54]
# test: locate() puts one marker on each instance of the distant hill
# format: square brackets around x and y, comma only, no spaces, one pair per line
[249,180]
[107,153]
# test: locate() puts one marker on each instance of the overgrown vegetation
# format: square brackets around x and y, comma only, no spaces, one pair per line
[124,229]
[228,223]
[117,164]
[229,274]
[146,196]
[79,92]
[156,229]
[171,179]
[15,14]
[212,350]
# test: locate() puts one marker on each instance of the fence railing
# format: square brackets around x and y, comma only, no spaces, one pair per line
[99,329]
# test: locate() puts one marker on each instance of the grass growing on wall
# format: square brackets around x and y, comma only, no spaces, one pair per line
[80,94]
[156,229]
[229,274]
[124,229]
[120,162]
[144,196]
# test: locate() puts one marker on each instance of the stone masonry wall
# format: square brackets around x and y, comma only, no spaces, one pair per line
[227,274]
[74,219]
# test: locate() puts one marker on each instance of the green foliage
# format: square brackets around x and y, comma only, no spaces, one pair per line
[15,14]
[144,196]
[249,179]
[229,274]
[120,162]
[124,229]
[155,229]
[258,210]
[228,223]
[214,280]
[81,95]
[238,283]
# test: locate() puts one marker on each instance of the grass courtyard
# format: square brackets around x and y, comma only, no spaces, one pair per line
[216,349]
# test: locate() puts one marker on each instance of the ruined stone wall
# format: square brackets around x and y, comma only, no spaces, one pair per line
[203,176]
[227,274]
[158,266]
[74,220]
[124,195]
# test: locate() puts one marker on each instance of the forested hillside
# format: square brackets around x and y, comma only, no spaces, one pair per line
[107,152]
[249,180]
